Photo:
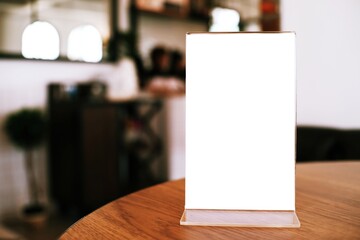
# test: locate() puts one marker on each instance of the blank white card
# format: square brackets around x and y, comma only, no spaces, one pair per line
[240,121]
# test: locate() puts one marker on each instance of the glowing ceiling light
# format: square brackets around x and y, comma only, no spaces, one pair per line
[40,40]
[224,20]
[85,44]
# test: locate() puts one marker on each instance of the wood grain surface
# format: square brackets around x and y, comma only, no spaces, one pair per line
[327,204]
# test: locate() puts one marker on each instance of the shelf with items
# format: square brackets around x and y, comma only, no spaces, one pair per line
[174,8]
[270,19]
[179,9]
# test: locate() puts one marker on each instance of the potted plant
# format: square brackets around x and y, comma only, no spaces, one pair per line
[26,130]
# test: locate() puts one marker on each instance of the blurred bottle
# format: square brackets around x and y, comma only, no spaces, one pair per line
[123,82]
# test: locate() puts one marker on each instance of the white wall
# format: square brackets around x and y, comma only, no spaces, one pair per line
[328,60]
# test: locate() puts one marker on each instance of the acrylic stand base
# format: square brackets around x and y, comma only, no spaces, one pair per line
[240,218]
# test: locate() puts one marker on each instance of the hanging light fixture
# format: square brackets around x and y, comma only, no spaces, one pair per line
[85,44]
[224,19]
[40,39]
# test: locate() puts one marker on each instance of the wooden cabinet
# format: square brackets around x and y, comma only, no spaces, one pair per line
[103,173]
[84,145]
[91,159]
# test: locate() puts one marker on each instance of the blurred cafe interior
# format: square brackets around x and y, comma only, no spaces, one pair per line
[98,88]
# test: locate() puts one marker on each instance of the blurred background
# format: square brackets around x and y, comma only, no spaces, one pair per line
[92,95]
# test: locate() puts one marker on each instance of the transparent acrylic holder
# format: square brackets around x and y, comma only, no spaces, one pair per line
[240,131]
[240,218]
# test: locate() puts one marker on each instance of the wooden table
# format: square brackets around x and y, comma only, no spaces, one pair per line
[327,203]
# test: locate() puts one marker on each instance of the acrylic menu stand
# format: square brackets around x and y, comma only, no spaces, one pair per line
[240,130]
